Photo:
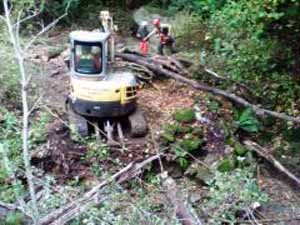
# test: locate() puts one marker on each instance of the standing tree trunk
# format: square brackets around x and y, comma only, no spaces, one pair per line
[24,80]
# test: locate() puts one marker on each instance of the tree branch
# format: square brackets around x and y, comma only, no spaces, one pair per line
[25,122]
[26,18]
[271,159]
[47,28]
[156,67]
[73,209]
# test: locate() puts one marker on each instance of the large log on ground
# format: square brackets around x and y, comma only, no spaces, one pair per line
[158,68]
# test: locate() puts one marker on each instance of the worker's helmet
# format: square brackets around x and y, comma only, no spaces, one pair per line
[156,22]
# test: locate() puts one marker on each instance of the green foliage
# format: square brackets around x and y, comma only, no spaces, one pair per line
[14,218]
[9,75]
[38,131]
[184,147]
[182,136]
[226,165]
[55,9]
[185,115]
[203,7]
[96,151]
[10,135]
[248,122]
[237,33]
[121,207]
[230,193]
[188,30]
[170,131]
[251,41]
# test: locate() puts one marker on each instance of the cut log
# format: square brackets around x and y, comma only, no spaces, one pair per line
[75,208]
[271,159]
[158,68]
[176,200]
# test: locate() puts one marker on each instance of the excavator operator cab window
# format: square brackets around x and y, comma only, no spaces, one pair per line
[88,58]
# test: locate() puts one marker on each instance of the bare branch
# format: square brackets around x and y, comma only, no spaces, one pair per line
[263,153]
[26,18]
[77,207]
[47,28]
[18,30]
[35,104]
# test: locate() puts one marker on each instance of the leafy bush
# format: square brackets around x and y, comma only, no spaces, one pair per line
[38,132]
[185,115]
[248,122]
[232,193]
[203,7]
[96,151]
[238,35]
[170,131]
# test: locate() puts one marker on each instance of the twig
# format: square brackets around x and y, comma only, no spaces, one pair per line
[47,28]
[193,157]
[35,104]
[26,18]
[156,147]
[8,206]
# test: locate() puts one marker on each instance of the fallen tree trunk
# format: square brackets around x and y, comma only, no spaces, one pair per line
[73,209]
[158,68]
[176,200]
[217,76]
[263,153]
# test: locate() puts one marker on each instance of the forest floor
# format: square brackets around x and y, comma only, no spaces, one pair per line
[159,100]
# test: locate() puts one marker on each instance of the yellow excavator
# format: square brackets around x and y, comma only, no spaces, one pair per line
[102,97]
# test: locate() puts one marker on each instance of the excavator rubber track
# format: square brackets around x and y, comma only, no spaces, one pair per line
[77,123]
[138,124]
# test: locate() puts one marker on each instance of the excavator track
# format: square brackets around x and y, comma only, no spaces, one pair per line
[77,123]
[138,124]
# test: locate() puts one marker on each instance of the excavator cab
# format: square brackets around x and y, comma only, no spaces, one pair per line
[89,53]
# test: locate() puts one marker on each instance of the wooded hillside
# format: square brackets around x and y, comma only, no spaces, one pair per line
[223,113]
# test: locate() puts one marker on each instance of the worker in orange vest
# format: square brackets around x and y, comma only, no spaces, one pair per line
[165,38]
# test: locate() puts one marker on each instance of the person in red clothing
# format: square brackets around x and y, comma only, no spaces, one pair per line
[165,38]
[142,33]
